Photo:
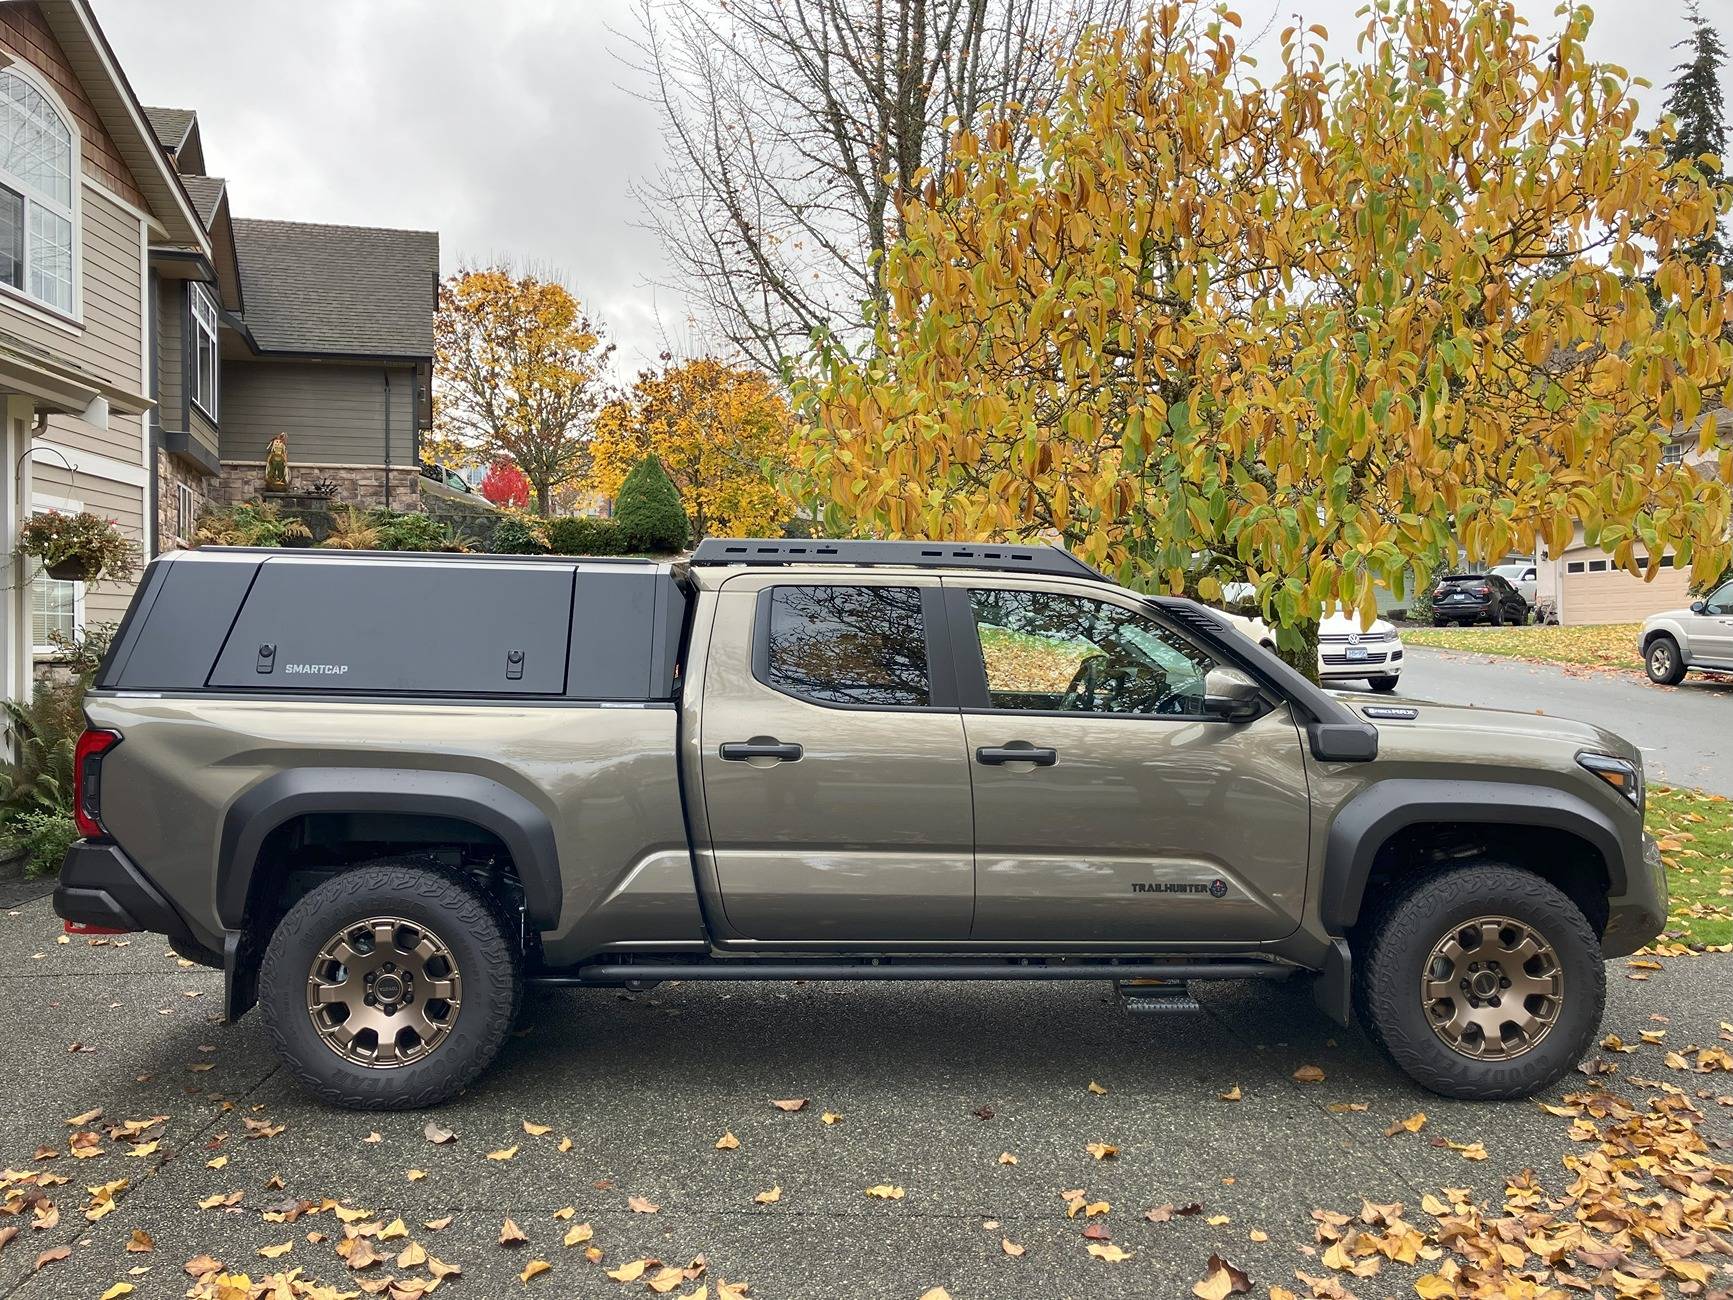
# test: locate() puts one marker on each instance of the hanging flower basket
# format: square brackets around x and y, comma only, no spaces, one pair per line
[78,547]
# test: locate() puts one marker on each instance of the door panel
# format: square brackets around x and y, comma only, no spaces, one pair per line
[868,834]
[1711,632]
[1153,823]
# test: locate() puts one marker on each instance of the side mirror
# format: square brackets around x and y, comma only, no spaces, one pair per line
[1699,607]
[1231,695]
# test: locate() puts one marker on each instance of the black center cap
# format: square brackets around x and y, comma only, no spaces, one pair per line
[388,988]
[1483,984]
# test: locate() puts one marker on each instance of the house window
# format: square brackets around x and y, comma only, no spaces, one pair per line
[1597,566]
[1673,454]
[204,336]
[37,165]
[1575,566]
[186,511]
[56,606]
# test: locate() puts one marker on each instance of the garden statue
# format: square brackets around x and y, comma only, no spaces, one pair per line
[277,464]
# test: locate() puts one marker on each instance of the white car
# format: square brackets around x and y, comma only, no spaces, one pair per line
[1679,640]
[1346,651]
[1523,576]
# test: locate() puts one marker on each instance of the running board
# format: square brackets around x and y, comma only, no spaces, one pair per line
[616,973]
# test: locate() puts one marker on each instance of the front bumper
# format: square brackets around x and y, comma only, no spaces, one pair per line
[99,885]
[1382,660]
[1637,916]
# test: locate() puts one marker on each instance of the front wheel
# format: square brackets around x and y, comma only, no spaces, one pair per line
[1483,982]
[390,986]
[1383,684]
[1663,662]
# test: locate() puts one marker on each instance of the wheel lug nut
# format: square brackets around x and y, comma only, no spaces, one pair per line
[1504,984]
[369,999]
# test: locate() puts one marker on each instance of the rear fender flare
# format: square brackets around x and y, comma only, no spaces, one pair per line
[1370,818]
[523,828]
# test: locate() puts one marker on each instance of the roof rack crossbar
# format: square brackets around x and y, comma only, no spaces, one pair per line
[1043,559]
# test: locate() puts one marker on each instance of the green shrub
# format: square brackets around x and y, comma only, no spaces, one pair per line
[44,734]
[411,530]
[578,535]
[251,523]
[519,535]
[41,838]
[648,510]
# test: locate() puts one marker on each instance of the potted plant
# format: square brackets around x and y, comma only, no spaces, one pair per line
[78,547]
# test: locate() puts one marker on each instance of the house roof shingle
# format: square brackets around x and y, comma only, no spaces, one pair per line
[205,192]
[347,290]
[170,124]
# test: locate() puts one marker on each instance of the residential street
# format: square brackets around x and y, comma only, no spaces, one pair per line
[932,1084]
[1685,731]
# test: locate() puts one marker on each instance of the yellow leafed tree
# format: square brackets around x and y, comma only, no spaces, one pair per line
[721,432]
[1308,333]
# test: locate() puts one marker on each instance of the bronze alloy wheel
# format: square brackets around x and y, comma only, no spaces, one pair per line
[1492,988]
[383,992]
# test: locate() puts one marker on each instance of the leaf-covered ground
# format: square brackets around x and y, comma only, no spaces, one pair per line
[1599,645]
[820,1141]
[1695,832]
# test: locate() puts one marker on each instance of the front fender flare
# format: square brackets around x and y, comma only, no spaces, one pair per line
[1370,818]
[523,828]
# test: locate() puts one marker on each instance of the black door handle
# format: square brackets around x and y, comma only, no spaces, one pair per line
[738,751]
[998,755]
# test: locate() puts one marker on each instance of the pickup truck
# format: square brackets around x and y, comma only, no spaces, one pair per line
[384,792]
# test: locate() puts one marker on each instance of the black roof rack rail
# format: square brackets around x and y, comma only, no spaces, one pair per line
[999,557]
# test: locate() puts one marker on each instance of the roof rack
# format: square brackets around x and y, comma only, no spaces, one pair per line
[1052,560]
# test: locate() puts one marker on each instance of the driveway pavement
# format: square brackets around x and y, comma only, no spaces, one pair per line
[1684,731]
[932,1084]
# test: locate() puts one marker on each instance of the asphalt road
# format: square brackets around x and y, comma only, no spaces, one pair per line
[932,1083]
[1684,731]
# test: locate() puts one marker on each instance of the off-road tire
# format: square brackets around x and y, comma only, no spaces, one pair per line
[1399,941]
[1663,662]
[471,924]
[1383,684]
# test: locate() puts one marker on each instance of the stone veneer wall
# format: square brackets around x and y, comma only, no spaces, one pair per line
[357,485]
[171,529]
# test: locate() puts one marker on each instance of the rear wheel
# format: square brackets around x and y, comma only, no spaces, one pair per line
[1664,663]
[390,986]
[1483,982]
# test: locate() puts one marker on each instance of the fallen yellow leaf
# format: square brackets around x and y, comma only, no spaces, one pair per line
[535,1268]
[885,1192]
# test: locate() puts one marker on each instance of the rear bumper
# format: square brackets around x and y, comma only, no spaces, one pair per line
[1637,916]
[1461,609]
[99,885]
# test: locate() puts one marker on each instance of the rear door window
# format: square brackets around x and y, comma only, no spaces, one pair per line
[858,645]
[383,626]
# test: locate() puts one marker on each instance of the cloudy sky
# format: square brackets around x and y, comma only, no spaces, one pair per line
[515,127]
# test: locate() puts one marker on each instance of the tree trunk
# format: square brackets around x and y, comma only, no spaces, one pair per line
[544,494]
[1301,652]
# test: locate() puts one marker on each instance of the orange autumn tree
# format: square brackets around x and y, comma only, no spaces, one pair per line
[519,371]
[1310,333]
[721,431]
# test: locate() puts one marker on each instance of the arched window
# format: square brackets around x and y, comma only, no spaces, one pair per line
[37,164]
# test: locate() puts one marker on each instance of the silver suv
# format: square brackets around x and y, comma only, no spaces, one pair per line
[1679,640]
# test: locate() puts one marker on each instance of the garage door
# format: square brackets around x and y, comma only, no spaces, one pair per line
[1594,590]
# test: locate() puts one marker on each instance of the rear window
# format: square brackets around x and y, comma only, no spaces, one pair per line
[388,626]
[845,645]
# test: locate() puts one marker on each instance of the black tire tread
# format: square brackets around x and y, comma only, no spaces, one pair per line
[478,914]
[1407,918]
[1677,675]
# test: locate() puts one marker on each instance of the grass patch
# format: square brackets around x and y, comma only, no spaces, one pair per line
[1598,645]
[1695,831]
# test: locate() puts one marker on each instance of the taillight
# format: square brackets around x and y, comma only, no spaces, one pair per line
[1483,591]
[87,773]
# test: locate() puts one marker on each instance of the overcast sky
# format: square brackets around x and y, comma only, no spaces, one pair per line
[513,127]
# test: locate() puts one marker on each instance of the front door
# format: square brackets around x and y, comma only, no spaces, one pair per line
[1134,817]
[836,779]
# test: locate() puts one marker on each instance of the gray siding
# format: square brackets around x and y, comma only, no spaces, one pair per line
[333,414]
[203,430]
[171,351]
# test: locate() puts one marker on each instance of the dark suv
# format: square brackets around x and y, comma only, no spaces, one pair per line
[1470,597]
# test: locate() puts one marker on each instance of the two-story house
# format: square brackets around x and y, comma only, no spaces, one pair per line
[86,195]
[152,344]
[323,333]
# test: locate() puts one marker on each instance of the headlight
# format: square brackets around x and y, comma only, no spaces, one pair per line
[1623,775]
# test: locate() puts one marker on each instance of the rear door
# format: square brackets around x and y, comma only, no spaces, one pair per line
[1134,817]
[836,781]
